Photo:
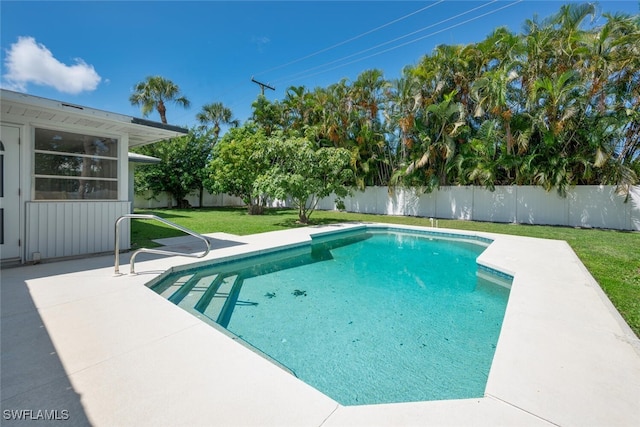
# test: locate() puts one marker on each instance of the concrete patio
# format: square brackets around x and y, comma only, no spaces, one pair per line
[93,348]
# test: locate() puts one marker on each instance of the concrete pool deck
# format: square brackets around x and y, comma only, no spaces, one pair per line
[92,348]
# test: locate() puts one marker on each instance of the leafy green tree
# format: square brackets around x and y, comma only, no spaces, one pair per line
[182,167]
[303,174]
[154,92]
[234,168]
[555,105]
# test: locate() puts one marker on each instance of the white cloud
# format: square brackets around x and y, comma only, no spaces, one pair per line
[260,42]
[30,62]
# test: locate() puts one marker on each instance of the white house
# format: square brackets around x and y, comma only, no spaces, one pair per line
[64,176]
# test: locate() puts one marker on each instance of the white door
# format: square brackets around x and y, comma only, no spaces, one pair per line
[9,192]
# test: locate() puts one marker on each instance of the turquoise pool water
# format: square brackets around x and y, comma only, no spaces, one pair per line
[371,317]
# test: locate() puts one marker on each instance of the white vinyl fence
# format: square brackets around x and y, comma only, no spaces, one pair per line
[584,206]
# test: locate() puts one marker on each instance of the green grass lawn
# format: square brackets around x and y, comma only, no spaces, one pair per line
[612,257]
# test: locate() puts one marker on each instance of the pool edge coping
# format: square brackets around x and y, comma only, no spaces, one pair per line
[519,401]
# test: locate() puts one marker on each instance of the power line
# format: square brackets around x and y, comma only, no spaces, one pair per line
[348,40]
[408,42]
[301,73]
[403,44]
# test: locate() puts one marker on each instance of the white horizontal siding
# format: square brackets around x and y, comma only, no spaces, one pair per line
[63,229]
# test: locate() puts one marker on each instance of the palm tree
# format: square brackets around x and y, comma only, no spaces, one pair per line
[154,92]
[369,149]
[403,102]
[216,114]
[491,93]
[297,107]
[438,132]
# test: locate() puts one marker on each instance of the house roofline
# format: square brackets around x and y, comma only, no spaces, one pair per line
[141,131]
[151,123]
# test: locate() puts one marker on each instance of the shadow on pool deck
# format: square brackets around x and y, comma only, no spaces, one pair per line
[32,376]
[35,384]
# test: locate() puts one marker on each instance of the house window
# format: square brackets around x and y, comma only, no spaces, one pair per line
[75,166]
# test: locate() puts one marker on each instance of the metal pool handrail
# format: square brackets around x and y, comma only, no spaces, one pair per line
[154,251]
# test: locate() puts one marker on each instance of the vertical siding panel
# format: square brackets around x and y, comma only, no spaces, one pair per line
[59,229]
[88,220]
[43,233]
[109,236]
[67,238]
[92,208]
[79,227]
[105,229]
[48,229]
[100,216]
[70,229]
[35,230]
[38,229]
[90,237]
[32,231]
[76,225]
[47,234]
[59,225]
[81,214]
[57,213]
[67,234]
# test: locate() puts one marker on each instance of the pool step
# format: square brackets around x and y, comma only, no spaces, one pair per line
[202,286]
[192,285]
[208,297]
[215,302]
[168,288]
[232,299]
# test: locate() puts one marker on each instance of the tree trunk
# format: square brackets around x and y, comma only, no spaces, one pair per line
[162,110]
[255,209]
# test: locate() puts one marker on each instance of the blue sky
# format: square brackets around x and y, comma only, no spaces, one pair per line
[92,53]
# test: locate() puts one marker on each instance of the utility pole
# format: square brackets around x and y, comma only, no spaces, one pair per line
[262,86]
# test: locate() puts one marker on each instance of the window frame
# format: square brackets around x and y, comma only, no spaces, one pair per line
[98,135]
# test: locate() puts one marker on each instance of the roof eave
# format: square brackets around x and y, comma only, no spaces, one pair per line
[44,110]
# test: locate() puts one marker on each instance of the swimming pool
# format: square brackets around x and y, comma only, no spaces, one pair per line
[368,316]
